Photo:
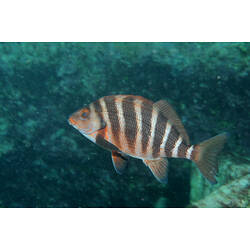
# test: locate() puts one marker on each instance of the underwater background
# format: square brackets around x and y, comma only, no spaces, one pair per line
[44,162]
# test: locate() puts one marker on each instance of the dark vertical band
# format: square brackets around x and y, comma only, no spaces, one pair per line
[146,114]
[130,121]
[98,110]
[160,128]
[97,106]
[113,118]
[182,150]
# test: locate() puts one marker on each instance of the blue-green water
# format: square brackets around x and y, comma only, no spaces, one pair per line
[46,163]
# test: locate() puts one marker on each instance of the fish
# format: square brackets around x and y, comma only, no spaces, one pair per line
[133,126]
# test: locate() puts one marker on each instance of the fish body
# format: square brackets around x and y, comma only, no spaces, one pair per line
[129,125]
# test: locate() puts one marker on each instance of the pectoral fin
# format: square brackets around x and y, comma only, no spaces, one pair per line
[119,162]
[159,168]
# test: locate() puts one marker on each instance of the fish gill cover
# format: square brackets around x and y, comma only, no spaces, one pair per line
[46,163]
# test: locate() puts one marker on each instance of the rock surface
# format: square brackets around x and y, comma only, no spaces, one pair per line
[232,189]
[234,194]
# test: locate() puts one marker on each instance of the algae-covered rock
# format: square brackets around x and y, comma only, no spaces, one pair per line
[234,194]
[232,171]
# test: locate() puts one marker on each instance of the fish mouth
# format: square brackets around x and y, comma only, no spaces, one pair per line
[72,122]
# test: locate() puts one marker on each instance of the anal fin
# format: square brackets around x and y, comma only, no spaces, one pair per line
[119,162]
[159,168]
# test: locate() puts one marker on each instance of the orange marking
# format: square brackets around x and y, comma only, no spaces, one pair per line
[85,110]
[123,142]
[105,134]
[72,121]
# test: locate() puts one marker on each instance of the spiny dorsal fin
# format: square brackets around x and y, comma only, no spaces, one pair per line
[166,110]
[159,168]
[119,162]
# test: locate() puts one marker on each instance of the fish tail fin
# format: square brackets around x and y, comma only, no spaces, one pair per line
[205,156]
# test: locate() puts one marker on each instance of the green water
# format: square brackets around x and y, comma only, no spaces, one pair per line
[46,163]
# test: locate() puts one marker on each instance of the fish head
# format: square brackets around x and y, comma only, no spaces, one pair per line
[86,121]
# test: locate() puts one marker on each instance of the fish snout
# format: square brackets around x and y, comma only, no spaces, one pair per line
[72,121]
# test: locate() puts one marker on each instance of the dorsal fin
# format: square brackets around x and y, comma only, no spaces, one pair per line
[166,110]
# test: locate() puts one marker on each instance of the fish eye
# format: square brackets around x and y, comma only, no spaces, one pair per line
[84,114]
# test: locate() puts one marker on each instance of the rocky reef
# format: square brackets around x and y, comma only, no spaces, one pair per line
[234,194]
[232,189]
[46,163]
